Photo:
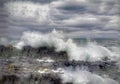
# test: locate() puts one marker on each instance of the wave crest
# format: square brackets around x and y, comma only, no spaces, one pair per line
[89,52]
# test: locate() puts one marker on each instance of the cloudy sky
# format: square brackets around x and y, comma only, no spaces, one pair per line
[78,18]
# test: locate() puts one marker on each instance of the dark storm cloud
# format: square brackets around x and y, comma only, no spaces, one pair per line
[74,16]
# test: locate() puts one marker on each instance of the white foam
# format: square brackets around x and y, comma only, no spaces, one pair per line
[46,60]
[90,52]
[84,77]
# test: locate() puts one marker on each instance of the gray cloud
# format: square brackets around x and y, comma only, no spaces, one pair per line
[67,15]
[89,6]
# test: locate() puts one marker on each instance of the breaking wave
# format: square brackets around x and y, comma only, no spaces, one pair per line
[78,76]
[91,51]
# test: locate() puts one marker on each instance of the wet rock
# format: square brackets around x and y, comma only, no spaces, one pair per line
[9,79]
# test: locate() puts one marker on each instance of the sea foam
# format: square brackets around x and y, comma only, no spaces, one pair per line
[78,76]
[57,39]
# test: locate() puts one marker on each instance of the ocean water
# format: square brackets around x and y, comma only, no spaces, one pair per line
[88,61]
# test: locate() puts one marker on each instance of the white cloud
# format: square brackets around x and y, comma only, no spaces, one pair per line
[60,3]
[114,23]
[81,19]
[22,10]
[3,41]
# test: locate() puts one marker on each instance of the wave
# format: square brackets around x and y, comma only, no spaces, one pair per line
[91,51]
[78,76]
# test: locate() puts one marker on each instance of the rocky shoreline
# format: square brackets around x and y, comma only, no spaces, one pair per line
[43,66]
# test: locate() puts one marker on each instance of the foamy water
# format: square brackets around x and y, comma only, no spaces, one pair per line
[91,51]
[79,76]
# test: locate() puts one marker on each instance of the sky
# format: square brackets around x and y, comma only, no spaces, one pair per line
[77,18]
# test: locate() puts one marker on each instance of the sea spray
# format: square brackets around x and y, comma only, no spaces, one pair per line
[89,52]
[80,76]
